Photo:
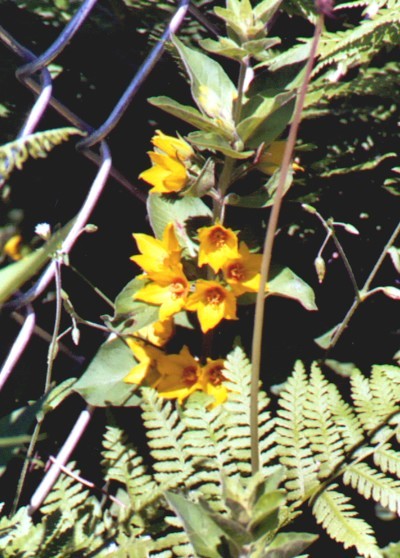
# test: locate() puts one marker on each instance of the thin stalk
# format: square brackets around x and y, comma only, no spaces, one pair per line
[364,291]
[53,348]
[51,357]
[88,282]
[330,230]
[267,253]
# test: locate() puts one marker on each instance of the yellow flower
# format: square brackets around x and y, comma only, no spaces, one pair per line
[12,248]
[271,158]
[212,377]
[243,274]
[173,147]
[168,172]
[213,302]
[146,369]
[217,245]
[168,290]
[180,375]
[158,254]
[157,333]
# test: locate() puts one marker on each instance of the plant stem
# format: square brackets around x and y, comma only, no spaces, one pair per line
[330,230]
[364,291]
[267,253]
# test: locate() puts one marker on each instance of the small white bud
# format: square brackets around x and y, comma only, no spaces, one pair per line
[43,230]
[320,268]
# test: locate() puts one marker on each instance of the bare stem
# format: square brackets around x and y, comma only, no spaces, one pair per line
[267,253]
[364,291]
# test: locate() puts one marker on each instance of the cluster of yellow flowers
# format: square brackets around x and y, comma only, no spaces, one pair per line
[173,159]
[176,376]
[235,268]
[232,271]
[235,271]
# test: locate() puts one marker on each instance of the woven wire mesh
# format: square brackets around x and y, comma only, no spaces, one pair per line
[36,72]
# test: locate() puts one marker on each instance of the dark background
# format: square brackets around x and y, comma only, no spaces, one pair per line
[97,67]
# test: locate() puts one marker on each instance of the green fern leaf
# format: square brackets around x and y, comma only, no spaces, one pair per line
[294,445]
[325,441]
[338,517]
[387,459]
[14,154]
[345,419]
[376,399]
[121,463]
[165,430]
[371,483]
[238,375]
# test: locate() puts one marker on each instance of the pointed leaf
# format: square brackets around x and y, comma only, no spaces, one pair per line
[186,113]
[260,108]
[289,545]
[204,534]
[214,142]
[13,276]
[188,214]
[324,340]
[286,283]
[212,89]
[102,383]
[265,196]
[131,315]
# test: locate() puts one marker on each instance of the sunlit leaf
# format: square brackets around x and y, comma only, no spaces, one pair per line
[102,383]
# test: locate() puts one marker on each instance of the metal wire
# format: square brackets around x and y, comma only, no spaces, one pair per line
[139,78]
[44,98]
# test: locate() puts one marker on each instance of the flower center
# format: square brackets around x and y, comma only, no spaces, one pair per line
[218,238]
[177,288]
[215,375]
[236,272]
[214,296]
[189,375]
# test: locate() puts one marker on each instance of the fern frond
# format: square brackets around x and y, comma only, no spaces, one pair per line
[294,445]
[122,463]
[205,441]
[345,419]
[338,517]
[18,534]
[371,483]
[387,459]
[238,375]
[376,399]
[165,430]
[358,46]
[325,441]
[15,154]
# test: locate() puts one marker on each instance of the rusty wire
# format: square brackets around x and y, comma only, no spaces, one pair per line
[42,88]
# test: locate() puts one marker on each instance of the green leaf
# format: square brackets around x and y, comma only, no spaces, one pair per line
[56,396]
[102,383]
[204,534]
[210,140]
[186,113]
[188,214]
[13,276]
[324,340]
[264,196]
[286,283]
[14,425]
[268,129]
[131,315]
[211,87]
[289,545]
[260,108]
